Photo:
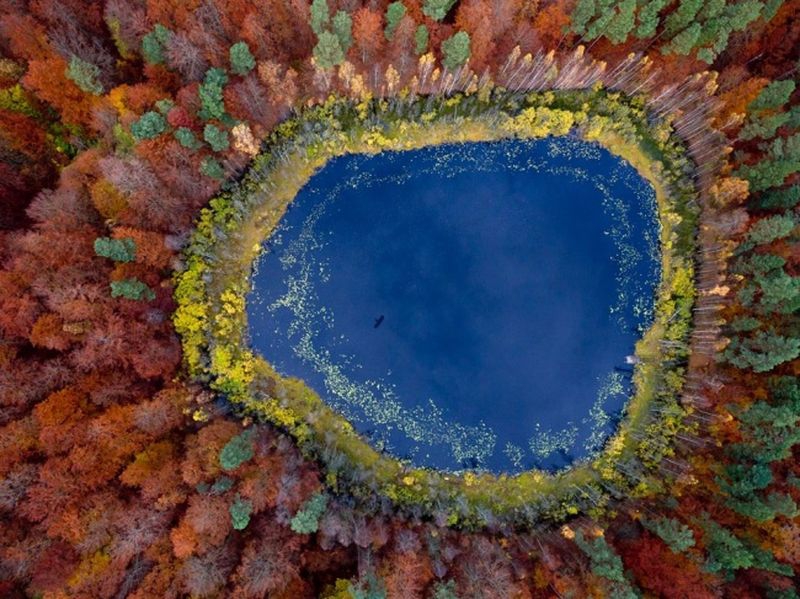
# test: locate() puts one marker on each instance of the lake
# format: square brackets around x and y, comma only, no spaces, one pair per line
[467,305]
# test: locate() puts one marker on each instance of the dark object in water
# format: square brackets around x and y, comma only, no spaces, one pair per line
[378,321]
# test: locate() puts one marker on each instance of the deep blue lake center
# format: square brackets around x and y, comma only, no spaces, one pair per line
[469,305]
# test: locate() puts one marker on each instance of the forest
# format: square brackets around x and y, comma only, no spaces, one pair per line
[146,144]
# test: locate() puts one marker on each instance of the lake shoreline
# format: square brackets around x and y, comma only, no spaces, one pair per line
[211,320]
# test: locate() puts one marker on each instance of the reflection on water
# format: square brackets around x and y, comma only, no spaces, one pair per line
[468,305]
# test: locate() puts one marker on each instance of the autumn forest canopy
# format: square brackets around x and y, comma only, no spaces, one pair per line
[152,446]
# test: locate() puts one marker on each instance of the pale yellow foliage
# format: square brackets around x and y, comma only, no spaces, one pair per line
[243,139]
[392,79]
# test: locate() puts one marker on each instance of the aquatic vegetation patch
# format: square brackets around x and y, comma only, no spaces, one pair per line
[212,286]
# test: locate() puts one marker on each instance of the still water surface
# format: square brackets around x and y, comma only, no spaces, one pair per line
[466,305]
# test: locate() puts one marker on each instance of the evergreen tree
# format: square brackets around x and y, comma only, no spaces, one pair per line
[164,105]
[770,9]
[683,17]
[437,9]
[320,16]
[221,485]
[770,429]
[763,351]
[217,138]
[306,521]
[780,293]
[781,159]
[154,44]
[211,168]
[237,451]
[675,534]
[119,250]
[150,124]
[605,563]
[187,138]
[343,28]
[771,228]
[85,75]
[211,94]
[456,50]
[764,509]
[444,590]
[328,51]
[741,480]
[738,15]
[649,18]
[762,119]
[583,12]
[775,199]
[394,13]
[684,42]
[727,553]
[600,25]
[242,61]
[763,126]
[758,264]
[711,10]
[421,39]
[773,96]
[744,324]
[707,55]
[132,289]
[621,25]
[240,511]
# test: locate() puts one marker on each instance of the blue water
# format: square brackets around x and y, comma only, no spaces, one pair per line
[465,306]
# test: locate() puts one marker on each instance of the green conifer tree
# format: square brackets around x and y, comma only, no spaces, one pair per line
[306,521]
[187,138]
[320,16]
[621,25]
[437,9]
[240,511]
[456,50]
[582,14]
[237,451]
[763,351]
[328,52]
[154,44]
[421,39]
[217,138]
[343,28]
[211,168]
[85,75]
[242,61]
[674,533]
[684,42]
[648,18]
[151,124]
[211,94]
[394,13]
[119,250]
[132,289]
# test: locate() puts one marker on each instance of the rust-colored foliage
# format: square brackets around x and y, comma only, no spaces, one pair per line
[110,477]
